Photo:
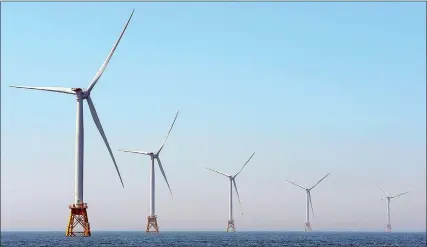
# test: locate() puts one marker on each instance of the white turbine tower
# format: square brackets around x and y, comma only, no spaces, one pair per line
[308,203]
[232,180]
[388,228]
[152,218]
[78,209]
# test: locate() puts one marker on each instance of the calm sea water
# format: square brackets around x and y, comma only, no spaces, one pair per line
[196,239]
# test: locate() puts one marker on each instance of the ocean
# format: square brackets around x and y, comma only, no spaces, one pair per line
[196,239]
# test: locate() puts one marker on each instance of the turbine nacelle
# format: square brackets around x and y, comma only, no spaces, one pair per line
[77,90]
[151,154]
[81,93]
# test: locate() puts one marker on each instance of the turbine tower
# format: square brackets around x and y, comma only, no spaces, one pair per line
[78,215]
[232,180]
[308,203]
[388,228]
[152,225]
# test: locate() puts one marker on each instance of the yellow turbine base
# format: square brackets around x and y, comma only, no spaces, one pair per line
[78,217]
[152,225]
[230,226]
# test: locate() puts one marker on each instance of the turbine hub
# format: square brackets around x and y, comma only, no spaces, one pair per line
[81,93]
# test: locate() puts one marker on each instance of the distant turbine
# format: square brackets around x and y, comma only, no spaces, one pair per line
[232,179]
[152,218]
[78,209]
[309,203]
[388,229]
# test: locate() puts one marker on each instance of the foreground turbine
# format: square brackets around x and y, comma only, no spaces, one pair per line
[309,204]
[232,180]
[388,228]
[78,215]
[152,225]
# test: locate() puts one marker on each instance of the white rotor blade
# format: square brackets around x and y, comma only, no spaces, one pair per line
[217,172]
[320,181]
[101,131]
[107,60]
[311,204]
[244,164]
[296,184]
[238,196]
[135,152]
[164,175]
[382,190]
[401,194]
[50,89]
[166,137]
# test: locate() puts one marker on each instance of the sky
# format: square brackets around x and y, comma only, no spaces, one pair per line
[311,88]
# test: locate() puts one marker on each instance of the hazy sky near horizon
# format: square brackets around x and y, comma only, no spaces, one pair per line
[310,87]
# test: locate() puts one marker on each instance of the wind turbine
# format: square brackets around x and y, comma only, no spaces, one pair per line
[232,180]
[309,203]
[152,218]
[78,214]
[388,229]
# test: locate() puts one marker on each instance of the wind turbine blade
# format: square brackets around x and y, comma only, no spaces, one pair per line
[101,131]
[166,137]
[50,89]
[164,175]
[135,152]
[311,204]
[296,184]
[401,194]
[107,60]
[244,164]
[320,181]
[217,172]
[238,196]
[382,190]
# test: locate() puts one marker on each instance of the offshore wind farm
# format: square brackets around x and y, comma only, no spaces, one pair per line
[241,86]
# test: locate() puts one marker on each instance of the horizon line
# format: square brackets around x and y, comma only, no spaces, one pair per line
[142,230]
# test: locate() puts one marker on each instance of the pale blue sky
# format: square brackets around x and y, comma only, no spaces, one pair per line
[311,87]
